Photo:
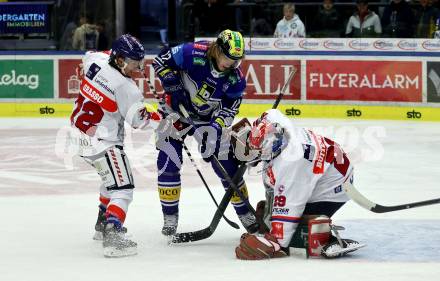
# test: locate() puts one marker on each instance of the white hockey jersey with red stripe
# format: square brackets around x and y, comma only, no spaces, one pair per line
[106,100]
[310,169]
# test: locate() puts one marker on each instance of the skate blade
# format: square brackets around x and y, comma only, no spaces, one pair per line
[99,236]
[342,251]
[112,252]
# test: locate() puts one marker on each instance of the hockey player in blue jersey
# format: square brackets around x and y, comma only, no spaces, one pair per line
[205,77]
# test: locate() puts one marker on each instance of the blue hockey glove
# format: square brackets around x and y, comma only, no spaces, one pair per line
[178,98]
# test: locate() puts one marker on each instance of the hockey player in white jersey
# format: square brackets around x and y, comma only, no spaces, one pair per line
[108,97]
[303,174]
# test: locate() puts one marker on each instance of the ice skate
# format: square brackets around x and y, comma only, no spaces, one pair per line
[100,225]
[249,221]
[335,249]
[170,224]
[115,244]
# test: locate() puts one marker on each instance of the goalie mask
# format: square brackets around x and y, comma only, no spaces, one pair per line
[268,138]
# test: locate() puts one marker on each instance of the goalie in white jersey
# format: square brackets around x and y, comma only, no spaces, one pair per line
[303,174]
[108,97]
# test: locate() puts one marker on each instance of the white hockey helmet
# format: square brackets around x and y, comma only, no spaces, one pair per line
[268,138]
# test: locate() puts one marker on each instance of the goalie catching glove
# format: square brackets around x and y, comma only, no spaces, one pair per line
[253,247]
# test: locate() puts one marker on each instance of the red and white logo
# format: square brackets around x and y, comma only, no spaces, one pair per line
[200,46]
[407,45]
[431,45]
[277,229]
[93,94]
[284,44]
[318,166]
[309,44]
[383,45]
[270,175]
[357,44]
[259,44]
[333,44]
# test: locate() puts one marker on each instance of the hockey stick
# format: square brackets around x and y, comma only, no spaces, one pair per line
[231,223]
[364,202]
[197,235]
[217,163]
[283,90]
[208,231]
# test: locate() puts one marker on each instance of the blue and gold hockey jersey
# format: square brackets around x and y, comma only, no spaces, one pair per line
[213,95]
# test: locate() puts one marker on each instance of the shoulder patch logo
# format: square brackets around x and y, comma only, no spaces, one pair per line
[200,46]
[233,79]
[93,70]
[199,61]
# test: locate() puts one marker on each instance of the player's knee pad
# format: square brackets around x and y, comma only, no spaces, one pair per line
[312,233]
[114,169]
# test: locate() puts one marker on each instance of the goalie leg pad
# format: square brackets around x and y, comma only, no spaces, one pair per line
[312,233]
[319,234]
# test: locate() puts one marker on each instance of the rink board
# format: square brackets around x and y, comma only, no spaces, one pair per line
[364,79]
[348,111]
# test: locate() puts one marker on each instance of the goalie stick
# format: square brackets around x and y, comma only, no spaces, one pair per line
[156,96]
[283,90]
[364,202]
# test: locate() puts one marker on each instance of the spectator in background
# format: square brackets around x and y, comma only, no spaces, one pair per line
[209,16]
[66,40]
[327,22]
[425,16]
[85,36]
[260,25]
[291,25]
[103,42]
[398,20]
[363,23]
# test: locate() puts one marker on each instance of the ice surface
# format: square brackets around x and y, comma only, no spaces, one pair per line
[48,208]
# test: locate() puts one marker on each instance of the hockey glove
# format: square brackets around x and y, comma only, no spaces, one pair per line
[173,86]
[254,247]
[177,98]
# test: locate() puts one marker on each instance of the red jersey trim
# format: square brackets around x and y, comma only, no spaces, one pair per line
[93,94]
[318,166]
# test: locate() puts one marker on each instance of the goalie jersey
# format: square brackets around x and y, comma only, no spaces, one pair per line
[107,99]
[310,169]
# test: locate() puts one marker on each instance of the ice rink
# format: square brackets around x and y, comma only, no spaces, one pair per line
[48,207]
